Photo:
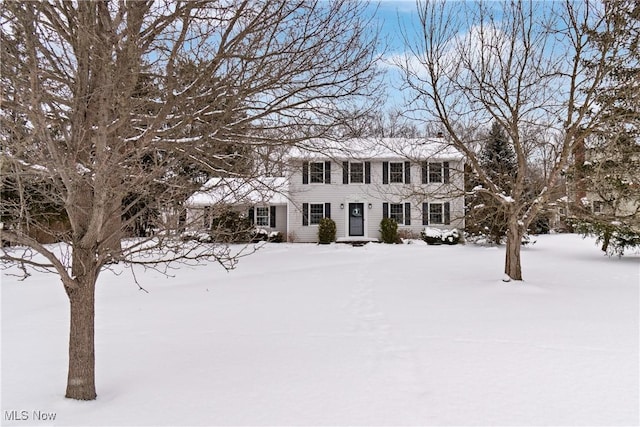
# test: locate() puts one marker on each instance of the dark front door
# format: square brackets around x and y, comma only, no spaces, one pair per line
[356,219]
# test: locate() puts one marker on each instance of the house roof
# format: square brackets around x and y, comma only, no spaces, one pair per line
[378,149]
[249,191]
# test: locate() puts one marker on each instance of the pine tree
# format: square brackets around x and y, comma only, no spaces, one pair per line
[610,173]
[487,217]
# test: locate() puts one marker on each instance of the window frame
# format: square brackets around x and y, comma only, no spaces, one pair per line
[313,174]
[361,173]
[441,213]
[393,215]
[392,173]
[597,206]
[312,213]
[257,218]
[439,173]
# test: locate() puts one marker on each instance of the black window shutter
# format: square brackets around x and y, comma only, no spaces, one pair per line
[345,172]
[305,172]
[424,173]
[385,172]
[385,210]
[272,217]
[447,213]
[367,172]
[407,213]
[327,172]
[445,166]
[407,172]
[327,210]
[305,214]
[250,215]
[425,213]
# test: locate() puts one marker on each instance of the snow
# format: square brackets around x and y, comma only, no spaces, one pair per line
[304,334]
[377,148]
[269,190]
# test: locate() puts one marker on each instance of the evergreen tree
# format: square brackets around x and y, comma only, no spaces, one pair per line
[486,216]
[610,170]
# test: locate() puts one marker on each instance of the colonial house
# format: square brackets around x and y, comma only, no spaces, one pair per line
[417,182]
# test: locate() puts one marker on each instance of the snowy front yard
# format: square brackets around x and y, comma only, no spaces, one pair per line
[316,335]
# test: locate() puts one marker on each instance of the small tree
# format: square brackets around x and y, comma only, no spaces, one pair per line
[326,231]
[389,231]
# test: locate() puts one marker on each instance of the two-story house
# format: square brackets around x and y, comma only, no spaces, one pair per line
[357,183]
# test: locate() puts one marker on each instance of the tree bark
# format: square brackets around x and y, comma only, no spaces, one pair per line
[606,238]
[81,383]
[512,265]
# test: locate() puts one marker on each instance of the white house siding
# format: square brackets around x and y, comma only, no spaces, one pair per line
[375,194]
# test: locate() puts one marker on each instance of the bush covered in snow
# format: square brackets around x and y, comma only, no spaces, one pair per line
[434,236]
[260,234]
[326,231]
[389,231]
[231,226]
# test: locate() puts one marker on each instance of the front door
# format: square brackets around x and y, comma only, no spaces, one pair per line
[356,219]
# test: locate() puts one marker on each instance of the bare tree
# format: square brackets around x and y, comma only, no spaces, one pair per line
[103,103]
[522,65]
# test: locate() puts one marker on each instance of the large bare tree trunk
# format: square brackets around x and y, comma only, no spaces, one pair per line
[81,376]
[512,264]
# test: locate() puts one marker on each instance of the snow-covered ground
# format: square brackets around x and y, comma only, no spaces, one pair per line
[302,334]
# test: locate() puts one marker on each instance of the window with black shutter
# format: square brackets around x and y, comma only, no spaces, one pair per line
[327,210]
[272,217]
[385,210]
[316,172]
[305,172]
[407,172]
[356,175]
[445,167]
[396,212]
[425,213]
[396,172]
[407,214]
[316,213]
[385,172]
[262,216]
[305,214]
[327,172]
[447,213]
[367,172]
[345,172]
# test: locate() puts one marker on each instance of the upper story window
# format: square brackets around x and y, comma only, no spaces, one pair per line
[316,172]
[435,172]
[356,172]
[396,172]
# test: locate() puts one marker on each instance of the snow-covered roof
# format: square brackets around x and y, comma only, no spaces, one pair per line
[249,191]
[378,148]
